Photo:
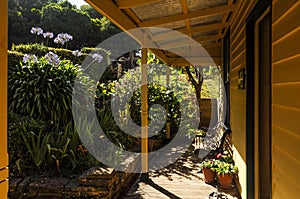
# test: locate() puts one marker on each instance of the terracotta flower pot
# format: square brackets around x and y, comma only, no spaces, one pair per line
[225,180]
[209,175]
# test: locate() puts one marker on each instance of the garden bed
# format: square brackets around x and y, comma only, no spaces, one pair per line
[96,182]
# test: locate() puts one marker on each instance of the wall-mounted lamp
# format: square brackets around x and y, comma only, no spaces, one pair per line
[241,79]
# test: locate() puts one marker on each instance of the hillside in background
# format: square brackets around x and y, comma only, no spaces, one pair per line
[87,27]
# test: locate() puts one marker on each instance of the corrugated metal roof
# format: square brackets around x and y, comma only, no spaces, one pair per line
[158,9]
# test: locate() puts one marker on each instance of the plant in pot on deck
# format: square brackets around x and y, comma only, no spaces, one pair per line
[226,172]
[208,167]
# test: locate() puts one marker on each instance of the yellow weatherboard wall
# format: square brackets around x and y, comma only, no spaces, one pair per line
[286,99]
[237,96]
[285,96]
[3,99]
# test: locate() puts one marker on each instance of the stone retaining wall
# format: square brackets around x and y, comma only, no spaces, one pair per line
[97,182]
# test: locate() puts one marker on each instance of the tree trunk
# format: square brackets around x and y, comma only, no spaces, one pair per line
[197,84]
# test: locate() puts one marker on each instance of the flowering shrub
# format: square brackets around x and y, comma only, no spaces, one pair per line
[39,90]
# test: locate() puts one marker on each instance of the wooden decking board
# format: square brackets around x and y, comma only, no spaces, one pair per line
[179,180]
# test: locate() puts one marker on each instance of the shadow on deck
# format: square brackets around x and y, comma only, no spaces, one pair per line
[181,179]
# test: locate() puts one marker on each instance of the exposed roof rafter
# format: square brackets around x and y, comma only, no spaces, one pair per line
[193,30]
[189,41]
[224,19]
[185,10]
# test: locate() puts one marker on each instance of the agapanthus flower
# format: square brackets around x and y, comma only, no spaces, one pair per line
[52,58]
[36,31]
[97,57]
[59,41]
[48,35]
[29,59]
[62,38]
[77,53]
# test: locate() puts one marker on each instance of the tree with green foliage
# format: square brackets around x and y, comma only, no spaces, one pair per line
[88,27]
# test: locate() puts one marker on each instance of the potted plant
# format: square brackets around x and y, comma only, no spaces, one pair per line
[208,167]
[226,172]
[224,157]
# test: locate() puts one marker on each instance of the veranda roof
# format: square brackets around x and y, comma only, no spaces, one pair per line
[206,21]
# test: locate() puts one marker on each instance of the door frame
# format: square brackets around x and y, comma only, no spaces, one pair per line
[251,140]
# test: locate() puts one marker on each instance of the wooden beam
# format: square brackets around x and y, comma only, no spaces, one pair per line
[122,4]
[193,30]
[205,61]
[113,13]
[190,15]
[3,98]
[205,28]
[188,42]
[208,38]
[177,44]
[132,15]
[160,54]
[168,125]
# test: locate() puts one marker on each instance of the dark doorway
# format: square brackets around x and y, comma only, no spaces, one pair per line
[258,114]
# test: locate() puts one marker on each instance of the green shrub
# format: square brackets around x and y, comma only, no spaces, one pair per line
[20,127]
[88,50]
[40,50]
[60,150]
[36,49]
[33,147]
[14,59]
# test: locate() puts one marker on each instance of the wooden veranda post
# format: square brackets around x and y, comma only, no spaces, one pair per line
[3,98]
[144,94]
[168,73]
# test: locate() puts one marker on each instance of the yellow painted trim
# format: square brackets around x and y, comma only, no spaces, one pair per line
[3,98]
[3,174]
[3,83]
[4,189]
